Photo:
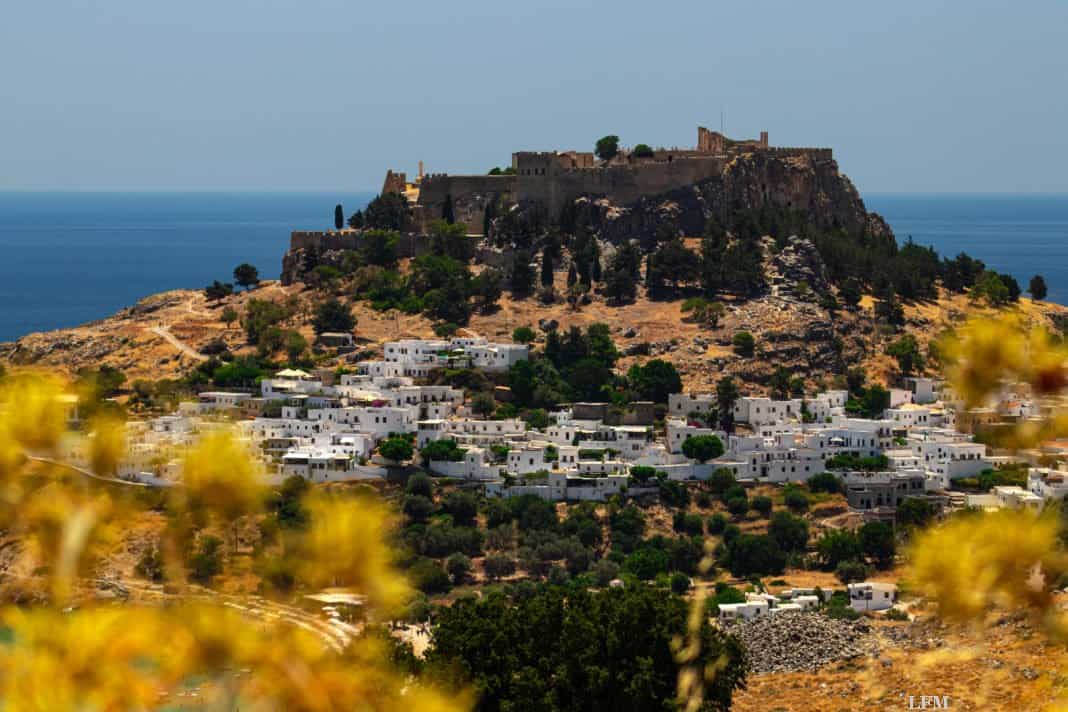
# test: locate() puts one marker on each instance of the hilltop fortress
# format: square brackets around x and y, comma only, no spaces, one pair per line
[554,178]
[634,195]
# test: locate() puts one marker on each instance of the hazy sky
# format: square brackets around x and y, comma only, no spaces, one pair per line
[925,96]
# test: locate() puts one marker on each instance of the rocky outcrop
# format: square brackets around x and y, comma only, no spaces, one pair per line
[797,269]
[813,187]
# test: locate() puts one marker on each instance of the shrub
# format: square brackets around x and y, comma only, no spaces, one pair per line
[150,565]
[789,531]
[418,508]
[498,566]
[605,571]
[744,343]
[763,505]
[838,545]
[750,554]
[420,484]
[730,533]
[396,448]
[721,480]
[206,563]
[702,447]
[703,500]
[463,506]
[850,571]
[738,506]
[825,482]
[458,567]
[716,524]
[680,583]
[794,498]
[523,335]
[688,523]
[428,576]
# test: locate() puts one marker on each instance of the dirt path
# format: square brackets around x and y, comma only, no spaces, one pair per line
[164,332]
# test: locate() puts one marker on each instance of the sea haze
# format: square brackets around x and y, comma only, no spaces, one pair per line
[69,258]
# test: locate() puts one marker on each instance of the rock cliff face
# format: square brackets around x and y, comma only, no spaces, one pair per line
[750,181]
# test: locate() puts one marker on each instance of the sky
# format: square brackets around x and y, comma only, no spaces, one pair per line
[265,95]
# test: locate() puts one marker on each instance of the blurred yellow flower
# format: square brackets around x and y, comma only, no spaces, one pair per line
[219,475]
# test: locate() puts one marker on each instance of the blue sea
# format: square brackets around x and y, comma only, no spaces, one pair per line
[69,258]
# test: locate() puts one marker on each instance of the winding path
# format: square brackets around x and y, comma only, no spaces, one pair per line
[166,335]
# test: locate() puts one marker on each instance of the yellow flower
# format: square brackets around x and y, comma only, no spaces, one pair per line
[35,409]
[107,444]
[220,476]
[975,562]
[345,545]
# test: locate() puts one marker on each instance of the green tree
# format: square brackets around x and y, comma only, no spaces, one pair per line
[721,480]
[217,291]
[654,381]
[825,482]
[575,649]
[333,316]
[483,404]
[546,268]
[744,344]
[915,512]
[206,563]
[1037,288]
[420,484]
[295,345]
[389,211]
[672,263]
[229,316]
[487,288]
[751,554]
[907,352]
[789,531]
[379,247]
[339,217]
[522,278]
[448,212]
[261,314]
[642,150]
[795,498]
[607,147]
[838,545]
[287,502]
[247,276]
[763,505]
[449,239]
[396,448]
[702,447]
[877,541]
[498,566]
[523,335]
[780,383]
[726,397]
[356,220]
[458,566]
[850,292]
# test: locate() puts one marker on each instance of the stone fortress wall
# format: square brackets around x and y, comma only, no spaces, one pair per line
[555,178]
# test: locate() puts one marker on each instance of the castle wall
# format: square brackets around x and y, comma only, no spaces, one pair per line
[621,183]
[470,196]
[323,240]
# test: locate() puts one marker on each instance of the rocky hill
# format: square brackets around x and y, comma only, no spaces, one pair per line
[165,335]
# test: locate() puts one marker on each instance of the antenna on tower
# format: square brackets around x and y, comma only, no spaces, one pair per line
[723,122]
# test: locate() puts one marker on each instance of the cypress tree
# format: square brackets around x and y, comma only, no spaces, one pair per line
[339,217]
[447,213]
[546,268]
